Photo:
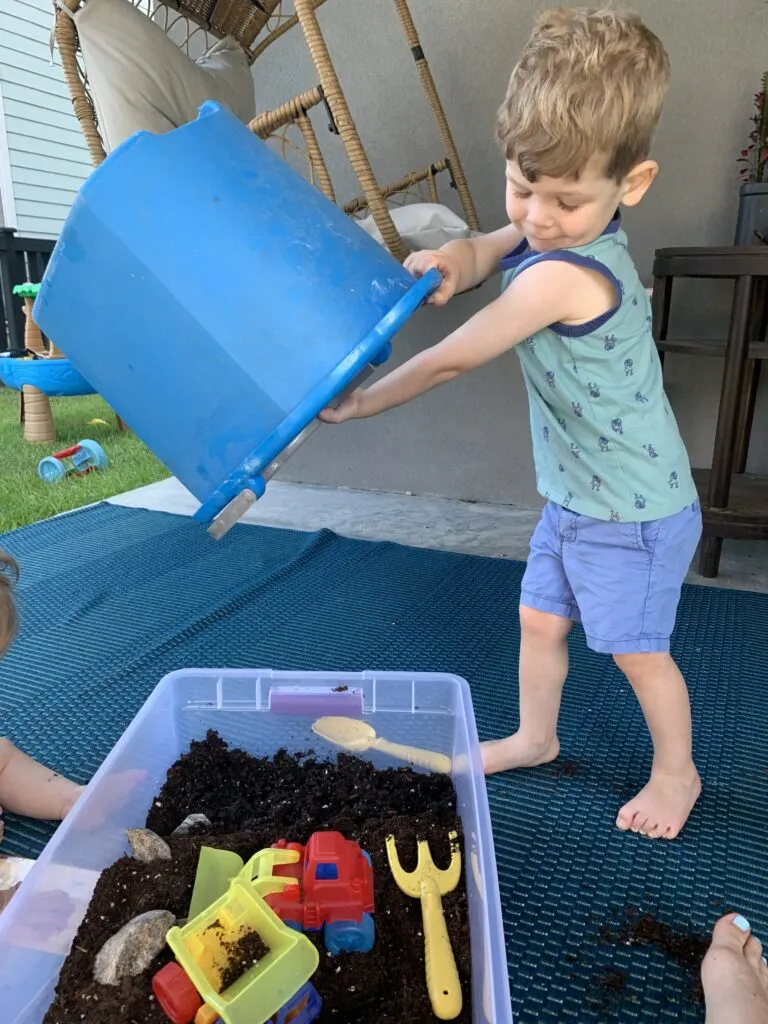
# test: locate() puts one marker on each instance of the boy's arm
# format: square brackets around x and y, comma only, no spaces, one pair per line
[546,293]
[465,262]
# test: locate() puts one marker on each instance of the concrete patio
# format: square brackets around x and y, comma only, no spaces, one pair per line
[476,528]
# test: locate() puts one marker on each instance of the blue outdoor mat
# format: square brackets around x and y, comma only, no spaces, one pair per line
[112,599]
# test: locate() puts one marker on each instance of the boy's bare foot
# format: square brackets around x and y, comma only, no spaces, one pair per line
[734,975]
[661,808]
[517,752]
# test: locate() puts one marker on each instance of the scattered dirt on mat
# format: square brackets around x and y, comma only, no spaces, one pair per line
[686,949]
[611,985]
[243,954]
[613,981]
[251,803]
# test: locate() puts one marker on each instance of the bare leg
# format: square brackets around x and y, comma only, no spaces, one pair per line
[660,810]
[543,668]
[734,975]
[27,787]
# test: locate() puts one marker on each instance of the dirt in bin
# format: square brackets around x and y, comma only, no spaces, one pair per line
[243,954]
[252,803]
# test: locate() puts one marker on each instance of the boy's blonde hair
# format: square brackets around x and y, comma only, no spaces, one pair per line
[589,82]
[9,620]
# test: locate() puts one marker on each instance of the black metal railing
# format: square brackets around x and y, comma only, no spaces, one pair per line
[21,260]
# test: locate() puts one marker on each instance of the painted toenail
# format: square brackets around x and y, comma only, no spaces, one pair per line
[741,923]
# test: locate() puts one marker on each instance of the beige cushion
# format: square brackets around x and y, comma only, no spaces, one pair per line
[422,225]
[141,81]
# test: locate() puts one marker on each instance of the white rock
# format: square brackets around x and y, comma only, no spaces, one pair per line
[192,821]
[131,950]
[147,846]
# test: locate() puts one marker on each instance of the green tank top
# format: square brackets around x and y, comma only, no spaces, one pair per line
[605,441]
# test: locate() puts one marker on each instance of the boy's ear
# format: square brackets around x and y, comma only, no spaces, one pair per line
[638,181]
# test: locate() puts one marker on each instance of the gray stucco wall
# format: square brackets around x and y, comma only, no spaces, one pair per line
[470,439]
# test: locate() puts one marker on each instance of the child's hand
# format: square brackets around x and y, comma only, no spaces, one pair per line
[349,409]
[418,263]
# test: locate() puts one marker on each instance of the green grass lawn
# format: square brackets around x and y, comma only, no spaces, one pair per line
[24,498]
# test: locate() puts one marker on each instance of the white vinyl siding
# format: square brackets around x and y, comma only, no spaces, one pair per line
[47,153]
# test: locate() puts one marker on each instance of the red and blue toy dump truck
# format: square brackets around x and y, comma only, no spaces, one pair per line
[334,892]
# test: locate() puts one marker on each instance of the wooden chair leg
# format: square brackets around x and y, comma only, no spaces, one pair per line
[709,557]
[750,387]
[661,303]
[751,382]
[730,395]
[724,454]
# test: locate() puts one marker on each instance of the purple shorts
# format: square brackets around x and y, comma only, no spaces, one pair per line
[621,581]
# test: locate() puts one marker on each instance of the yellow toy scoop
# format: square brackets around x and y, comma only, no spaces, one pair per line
[357,736]
[428,883]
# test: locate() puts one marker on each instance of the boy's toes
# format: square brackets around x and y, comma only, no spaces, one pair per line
[631,819]
[649,828]
[625,820]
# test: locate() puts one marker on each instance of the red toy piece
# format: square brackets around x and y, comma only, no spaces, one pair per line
[335,892]
[176,996]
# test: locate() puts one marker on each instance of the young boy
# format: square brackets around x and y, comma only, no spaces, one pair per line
[26,787]
[622,519]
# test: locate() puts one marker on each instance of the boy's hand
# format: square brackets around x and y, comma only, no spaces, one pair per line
[418,263]
[349,409]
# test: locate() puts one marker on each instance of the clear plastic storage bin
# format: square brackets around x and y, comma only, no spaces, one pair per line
[259,711]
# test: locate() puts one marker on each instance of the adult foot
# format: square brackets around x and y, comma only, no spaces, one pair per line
[660,810]
[517,752]
[734,975]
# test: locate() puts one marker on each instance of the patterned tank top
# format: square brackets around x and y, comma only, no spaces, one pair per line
[605,441]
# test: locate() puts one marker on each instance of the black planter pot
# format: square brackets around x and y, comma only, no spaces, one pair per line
[753,214]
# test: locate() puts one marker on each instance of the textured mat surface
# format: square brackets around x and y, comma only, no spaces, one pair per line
[113,598]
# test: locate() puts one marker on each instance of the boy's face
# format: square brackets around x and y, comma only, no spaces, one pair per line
[562,213]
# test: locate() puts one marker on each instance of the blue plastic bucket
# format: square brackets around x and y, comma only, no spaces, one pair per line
[217,300]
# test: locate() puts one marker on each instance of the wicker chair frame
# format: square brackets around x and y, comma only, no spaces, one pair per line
[257,25]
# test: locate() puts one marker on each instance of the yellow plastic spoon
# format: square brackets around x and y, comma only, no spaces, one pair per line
[357,736]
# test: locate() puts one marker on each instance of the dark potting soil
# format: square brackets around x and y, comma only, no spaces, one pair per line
[686,949]
[243,954]
[251,803]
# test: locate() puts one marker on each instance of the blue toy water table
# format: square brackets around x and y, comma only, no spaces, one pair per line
[54,377]
[218,301]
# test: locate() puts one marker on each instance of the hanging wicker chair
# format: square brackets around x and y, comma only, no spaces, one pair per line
[256,25]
